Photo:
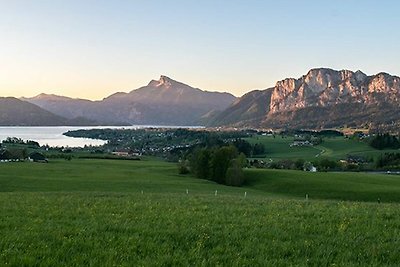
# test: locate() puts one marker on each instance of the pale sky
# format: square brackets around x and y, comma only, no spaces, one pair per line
[93,48]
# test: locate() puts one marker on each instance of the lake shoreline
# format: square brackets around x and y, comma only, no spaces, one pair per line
[54,136]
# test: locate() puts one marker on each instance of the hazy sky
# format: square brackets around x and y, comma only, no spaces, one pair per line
[92,48]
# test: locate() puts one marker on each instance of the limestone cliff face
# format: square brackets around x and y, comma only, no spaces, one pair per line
[323,98]
[325,87]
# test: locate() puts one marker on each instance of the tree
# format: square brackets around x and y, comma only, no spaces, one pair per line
[183,167]
[382,141]
[221,161]
[200,163]
[299,164]
[243,147]
[234,174]
[326,164]
[258,149]
[222,165]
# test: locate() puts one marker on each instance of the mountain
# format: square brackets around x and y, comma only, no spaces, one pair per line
[63,106]
[249,109]
[15,112]
[325,98]
[164,102]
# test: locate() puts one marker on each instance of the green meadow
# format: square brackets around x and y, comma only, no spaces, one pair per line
[139,213]
[332,147]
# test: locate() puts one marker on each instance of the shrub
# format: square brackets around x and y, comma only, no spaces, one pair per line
[183,167]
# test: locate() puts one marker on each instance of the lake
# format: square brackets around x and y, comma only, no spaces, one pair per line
[53,136]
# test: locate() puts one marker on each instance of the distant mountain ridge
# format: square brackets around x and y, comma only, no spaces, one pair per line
[163,102]
[15,112]
[320,99]
[323,98]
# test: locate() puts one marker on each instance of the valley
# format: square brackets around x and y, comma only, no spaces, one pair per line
[199,133]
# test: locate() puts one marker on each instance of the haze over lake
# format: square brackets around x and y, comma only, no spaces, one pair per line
[53,136]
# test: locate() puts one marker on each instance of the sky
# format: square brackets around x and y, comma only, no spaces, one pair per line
[93,48]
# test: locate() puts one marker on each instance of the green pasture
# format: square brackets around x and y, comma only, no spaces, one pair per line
[279,148]
[125,229]
[100,175]
[344,186]
[92,212]
[332,147]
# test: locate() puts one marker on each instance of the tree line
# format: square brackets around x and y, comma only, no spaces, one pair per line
[388,160]
[385,141]
[222,165]
[220,160]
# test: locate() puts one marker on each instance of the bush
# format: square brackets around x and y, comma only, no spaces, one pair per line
[326,165]
[183,167]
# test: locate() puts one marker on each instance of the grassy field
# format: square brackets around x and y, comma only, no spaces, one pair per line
[335,186]
[279,148]
[334,148]
[71,229]
[93,212]
[102,176]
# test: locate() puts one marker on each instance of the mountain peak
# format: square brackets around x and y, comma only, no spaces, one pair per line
[43,96]
[164,78]
[163,81]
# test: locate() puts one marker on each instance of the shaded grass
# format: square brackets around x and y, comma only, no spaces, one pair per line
[152,176]
[99,175]
[339,186]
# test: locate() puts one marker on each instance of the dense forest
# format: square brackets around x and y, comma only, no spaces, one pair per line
[384,141]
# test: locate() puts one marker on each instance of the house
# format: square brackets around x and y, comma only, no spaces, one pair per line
[126,153]
[308,167]
[121,153]
[38,157]
[301,143]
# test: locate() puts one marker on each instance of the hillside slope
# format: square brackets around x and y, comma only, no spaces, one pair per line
[250,109]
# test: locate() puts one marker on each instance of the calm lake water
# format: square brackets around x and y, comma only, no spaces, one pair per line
[53,136]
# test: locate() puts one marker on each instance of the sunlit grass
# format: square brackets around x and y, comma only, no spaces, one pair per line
[138,213]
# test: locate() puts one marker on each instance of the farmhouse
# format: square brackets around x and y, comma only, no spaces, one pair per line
[121,153]
[126,153]
[301,143]
[305,140]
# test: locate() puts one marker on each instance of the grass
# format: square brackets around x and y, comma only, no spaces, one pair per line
[100,176]
[334,148]
[335,186]
[125,229]
[92,213]
[279,148]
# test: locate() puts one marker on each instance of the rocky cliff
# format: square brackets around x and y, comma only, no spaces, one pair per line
[326,87]
[322,98]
